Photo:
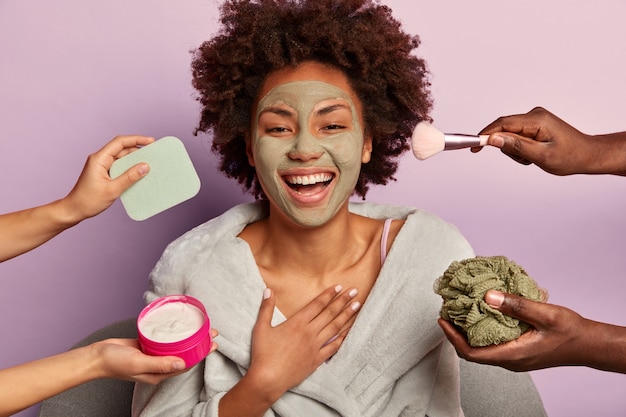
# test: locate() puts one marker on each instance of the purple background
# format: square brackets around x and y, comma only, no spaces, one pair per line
[74,74]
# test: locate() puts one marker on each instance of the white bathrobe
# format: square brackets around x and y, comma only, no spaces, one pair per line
[395,360]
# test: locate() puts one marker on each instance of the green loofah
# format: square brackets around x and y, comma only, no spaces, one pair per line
[463,286]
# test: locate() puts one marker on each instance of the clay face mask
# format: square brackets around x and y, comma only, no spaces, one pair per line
[307,148]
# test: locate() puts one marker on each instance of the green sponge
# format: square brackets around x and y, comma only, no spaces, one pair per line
[463,286]
[171,180]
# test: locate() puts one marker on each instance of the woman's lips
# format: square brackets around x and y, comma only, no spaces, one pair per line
[308,185]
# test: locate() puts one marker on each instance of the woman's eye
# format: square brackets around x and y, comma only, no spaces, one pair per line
[333,126]
[277,129]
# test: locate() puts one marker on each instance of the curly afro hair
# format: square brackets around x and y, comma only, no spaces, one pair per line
[359,37]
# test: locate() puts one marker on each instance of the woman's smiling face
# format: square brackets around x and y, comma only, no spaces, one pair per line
[308,142]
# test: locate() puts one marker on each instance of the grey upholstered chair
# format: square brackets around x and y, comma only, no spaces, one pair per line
[486,391]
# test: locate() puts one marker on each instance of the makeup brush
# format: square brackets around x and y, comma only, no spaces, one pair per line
[427,140]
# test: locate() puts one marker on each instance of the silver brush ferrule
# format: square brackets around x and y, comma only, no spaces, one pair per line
[460,141]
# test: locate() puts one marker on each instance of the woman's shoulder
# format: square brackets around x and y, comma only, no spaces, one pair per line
[415,224]
[225,226]
[391,211]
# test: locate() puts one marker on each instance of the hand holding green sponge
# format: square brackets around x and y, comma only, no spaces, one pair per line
[172,178]
[463,286]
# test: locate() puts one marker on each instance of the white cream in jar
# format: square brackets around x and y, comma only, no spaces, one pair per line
[171,322]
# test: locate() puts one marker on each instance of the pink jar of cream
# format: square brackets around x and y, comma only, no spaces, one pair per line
[176,325]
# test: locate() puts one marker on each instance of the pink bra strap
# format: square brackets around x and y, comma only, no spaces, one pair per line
[383,241]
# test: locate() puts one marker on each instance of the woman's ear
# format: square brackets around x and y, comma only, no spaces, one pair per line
[249,149]
[366,155]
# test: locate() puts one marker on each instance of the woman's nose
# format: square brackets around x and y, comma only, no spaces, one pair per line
[305,147]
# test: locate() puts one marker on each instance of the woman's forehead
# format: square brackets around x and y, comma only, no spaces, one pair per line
[301,95]
[307,71]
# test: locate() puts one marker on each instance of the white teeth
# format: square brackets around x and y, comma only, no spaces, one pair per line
[308,179]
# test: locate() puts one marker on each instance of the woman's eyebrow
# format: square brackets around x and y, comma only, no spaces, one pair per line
[280,111]
[331,108]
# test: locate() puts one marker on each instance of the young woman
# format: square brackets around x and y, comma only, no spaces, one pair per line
[325,307]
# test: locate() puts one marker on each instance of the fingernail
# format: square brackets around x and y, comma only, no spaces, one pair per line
[355,306]
[338,288]
[267,293]
[353,292]
[494,298]
[497,140]
[178,366]
[143,169]
[331,340]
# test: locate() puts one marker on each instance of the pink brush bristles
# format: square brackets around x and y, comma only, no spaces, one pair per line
[428,141]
